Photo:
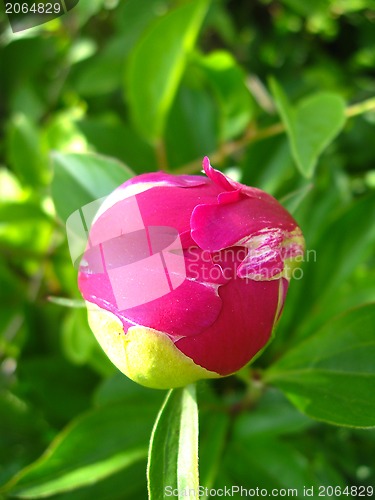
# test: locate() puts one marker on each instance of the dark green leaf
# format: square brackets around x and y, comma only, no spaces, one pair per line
[213,436]
[269,165]
[191,128]
[264,421]
[120,388]
[331,376]
[51,383]
[268,463]
[329,266]
[157,64]
[115,138]
[24,434]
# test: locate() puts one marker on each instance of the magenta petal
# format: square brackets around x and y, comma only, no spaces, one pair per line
[187,310]
[215,227]
[164,179]
[177,204]
[243,327]
[218,177]
[230,196]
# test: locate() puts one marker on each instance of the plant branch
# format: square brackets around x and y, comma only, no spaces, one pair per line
[253,134]
[161,156]
[360,108]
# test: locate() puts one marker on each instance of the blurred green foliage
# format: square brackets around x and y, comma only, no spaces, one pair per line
[158,84]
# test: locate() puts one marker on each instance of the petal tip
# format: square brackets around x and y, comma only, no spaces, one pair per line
[206,165]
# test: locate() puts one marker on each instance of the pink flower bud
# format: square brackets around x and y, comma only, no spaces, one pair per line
[185,276]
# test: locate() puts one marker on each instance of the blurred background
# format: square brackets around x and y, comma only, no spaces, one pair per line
[157,85]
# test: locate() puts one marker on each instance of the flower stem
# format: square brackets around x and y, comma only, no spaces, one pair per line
[252,135]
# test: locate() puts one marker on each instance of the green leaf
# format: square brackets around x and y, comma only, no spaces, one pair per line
[269,165]
[191,128]
[119,388]
[114,138]
[19,448]
[311,125]
[173,453]
[268,463]
[82,178]
[92,448]
[78,342]
[157,64]
[102,73]
[227,80]
[25,229]
[25,151]
[331,376]
[329,267]
[61,401]
[213,434]
[293,200]
[263,420]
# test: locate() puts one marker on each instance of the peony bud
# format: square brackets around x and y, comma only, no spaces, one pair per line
[185,276]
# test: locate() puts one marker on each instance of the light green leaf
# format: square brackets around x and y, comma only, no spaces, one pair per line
[82,178]
[156,66]
[25,152]
[65,302]
[173,453]
[78,342]
[311,125]
[25,228]
[331,376]
[92,448]
[227,80]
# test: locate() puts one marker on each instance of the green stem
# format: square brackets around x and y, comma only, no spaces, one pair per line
[252,135]
[360,108]
[161,155]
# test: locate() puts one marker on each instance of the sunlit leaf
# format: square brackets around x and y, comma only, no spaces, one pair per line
[173,453]
[157,64]
[82,178]
[311,125]
[92,448]
[227,79]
